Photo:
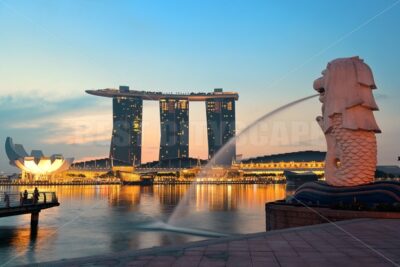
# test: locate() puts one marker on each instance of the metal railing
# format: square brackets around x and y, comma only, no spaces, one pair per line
[10,200]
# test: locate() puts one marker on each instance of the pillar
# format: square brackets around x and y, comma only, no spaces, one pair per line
[34,219]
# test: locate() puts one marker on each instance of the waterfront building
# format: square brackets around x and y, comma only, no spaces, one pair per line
[174,120]
[126,140]
[221,128]
[298,156]
[276,165]
[35,166]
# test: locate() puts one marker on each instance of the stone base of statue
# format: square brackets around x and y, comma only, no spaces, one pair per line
[377,195]
[318,202]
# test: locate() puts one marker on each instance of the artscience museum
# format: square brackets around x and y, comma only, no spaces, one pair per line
[35,166]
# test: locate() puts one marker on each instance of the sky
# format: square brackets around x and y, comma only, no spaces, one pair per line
[270,52]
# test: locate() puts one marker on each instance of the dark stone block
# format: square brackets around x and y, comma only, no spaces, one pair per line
[369,195]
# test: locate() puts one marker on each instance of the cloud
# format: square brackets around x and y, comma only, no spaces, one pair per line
[82,159]
[75,126]
[27,106]
[381,96]
[79,120]
[91,125]
[10,102]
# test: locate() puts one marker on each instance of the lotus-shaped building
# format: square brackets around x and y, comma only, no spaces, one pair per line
[36,165]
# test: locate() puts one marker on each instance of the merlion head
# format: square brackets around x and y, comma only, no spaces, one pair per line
[346,88]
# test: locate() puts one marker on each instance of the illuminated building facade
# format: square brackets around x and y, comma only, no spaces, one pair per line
[174,120]
[126,141]
[35,166]
[221,128]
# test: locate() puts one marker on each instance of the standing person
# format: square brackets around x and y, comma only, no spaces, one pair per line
[35,196]
[25,199]
[21,199]
[7,200]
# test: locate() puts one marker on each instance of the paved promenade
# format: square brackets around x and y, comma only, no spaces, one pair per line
[364,242]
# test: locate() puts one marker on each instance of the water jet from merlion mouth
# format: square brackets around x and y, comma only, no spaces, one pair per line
[180,209]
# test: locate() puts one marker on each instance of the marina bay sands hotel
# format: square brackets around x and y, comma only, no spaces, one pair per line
[126,142]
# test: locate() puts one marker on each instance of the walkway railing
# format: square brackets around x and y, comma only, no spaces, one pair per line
[10,200]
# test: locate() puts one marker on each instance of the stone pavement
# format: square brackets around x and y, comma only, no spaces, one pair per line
[363,242]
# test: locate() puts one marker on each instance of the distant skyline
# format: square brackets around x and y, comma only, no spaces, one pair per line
[270,52]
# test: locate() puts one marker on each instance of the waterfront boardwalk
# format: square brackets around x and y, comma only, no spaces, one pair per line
[15,205]
[362,242]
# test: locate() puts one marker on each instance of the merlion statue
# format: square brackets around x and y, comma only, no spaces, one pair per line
[349,126]
[348,121]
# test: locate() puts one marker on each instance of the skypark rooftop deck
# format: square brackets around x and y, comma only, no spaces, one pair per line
[147,95]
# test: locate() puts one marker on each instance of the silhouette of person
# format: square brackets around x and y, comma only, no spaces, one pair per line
[7,200]
[35,196]
[25,197]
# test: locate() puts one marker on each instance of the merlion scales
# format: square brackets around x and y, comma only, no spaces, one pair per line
[348,121]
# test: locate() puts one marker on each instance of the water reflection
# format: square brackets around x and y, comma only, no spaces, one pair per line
[99,219]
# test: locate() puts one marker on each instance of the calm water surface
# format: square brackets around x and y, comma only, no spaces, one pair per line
[109,218]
